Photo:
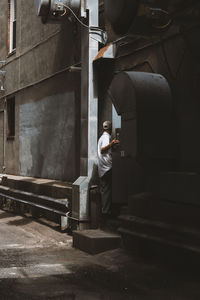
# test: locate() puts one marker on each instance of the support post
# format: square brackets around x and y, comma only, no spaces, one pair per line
[89,115]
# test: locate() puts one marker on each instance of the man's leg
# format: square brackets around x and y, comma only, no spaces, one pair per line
[106,192]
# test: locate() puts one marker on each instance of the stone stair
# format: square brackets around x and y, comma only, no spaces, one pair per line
[162,224]
[94,241]
[42,197]
[159,228]
[163,210]
[40,186]
[103,233]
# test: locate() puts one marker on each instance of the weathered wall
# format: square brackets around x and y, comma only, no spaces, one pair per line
[46,142]
[46,137]
[1,140]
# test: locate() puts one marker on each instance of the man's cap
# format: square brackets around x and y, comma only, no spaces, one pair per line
[107,125]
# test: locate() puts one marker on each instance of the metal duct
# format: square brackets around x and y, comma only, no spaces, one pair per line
[147,134]
[133,91]
[145,100]
[121,13]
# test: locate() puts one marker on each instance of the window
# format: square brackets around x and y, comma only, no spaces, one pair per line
[11,117]
[11,25]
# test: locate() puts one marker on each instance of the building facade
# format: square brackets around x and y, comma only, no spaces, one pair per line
[46,116]
[41,97]
[145,78]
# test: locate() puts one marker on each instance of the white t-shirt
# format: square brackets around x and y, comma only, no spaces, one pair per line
[104,159]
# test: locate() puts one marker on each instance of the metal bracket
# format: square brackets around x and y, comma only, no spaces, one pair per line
[100,36]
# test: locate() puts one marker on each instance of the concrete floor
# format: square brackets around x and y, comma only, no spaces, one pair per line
[38,262]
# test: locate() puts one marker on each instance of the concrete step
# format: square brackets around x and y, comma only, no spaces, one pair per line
[161,228]
[95,241]
[160,241]
[124,210]
[160,248]
[171,233]
[110,224]
[179,187]
[170,212]
[40,186]
[59,206]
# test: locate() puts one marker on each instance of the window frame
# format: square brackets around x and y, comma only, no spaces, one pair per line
[12,20]
[10,114]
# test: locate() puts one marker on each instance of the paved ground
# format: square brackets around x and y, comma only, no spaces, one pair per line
[38,262]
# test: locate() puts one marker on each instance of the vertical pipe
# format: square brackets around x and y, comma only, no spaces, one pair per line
[4,137]
[89,116]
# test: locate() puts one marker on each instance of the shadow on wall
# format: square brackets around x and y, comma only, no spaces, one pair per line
[47,138]
[49,126]
[68,47]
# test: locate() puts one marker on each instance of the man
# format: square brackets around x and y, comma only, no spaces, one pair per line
[105,167]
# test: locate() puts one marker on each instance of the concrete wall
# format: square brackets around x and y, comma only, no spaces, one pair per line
[47,137]
[47,96]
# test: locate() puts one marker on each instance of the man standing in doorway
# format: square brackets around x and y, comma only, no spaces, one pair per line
[105,167]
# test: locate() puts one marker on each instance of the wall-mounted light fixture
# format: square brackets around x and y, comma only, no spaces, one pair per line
[54,10]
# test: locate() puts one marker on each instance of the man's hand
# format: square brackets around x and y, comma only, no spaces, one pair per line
[112,143]
[115,142]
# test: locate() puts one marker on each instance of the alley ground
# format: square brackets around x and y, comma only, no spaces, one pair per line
[38,262]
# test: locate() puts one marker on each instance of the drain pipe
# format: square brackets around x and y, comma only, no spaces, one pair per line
[89,116]
[4,136]
[2,89]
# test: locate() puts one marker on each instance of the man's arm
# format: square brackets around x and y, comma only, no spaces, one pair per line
[109,146]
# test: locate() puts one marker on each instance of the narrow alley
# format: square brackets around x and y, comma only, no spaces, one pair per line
[99,149]
[38,262]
